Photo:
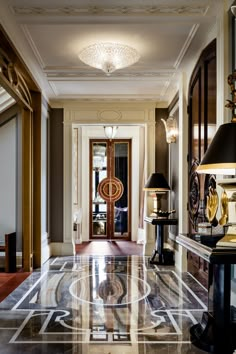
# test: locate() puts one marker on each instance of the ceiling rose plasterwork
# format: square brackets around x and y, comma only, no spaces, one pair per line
[113,11]
[109,115]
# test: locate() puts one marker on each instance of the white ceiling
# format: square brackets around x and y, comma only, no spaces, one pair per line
[162,31]
[6,101]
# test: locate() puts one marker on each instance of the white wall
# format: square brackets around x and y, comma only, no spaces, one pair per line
[8,177]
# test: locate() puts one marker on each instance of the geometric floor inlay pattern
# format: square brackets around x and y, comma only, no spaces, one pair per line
[91,304]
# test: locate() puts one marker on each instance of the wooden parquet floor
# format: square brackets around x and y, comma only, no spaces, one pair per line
[10,281]
[109,248]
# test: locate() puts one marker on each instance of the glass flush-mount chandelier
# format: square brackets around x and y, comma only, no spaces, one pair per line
[109,56]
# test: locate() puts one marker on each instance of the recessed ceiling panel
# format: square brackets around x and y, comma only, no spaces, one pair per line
[59,45]
[128,87]
[164,32]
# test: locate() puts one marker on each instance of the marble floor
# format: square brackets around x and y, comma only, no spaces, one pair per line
[102,305]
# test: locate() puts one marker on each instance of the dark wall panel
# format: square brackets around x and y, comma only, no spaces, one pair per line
[174,177]
[56,175]
[161,152]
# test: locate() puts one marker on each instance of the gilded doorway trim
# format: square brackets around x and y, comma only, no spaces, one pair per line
[17,81]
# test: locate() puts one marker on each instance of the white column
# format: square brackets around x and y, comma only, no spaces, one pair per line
[180,255]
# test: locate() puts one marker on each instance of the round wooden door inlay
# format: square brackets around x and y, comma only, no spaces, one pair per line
[110,189]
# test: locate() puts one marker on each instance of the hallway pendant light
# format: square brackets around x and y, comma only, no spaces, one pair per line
[233,10]
[109,56]
[110,131]
[220,157]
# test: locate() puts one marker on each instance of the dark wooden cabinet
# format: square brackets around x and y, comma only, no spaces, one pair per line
[216,331]
[202,126]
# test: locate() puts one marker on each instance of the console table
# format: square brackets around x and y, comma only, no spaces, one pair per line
[165,255]
[217,331]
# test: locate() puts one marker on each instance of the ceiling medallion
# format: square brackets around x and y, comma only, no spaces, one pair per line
[109,56]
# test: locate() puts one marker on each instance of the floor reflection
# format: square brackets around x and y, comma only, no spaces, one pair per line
[90,304]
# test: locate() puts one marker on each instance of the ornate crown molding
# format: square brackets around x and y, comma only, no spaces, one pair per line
[186,45]
[112,11]
[50,73]
[58,103]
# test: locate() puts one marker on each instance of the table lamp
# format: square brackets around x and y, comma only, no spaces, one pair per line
[158,184]
[220,157]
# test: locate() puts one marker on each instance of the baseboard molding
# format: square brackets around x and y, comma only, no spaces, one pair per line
[46,248]
[61,249]
[172,236]
[148,249]
[141,236]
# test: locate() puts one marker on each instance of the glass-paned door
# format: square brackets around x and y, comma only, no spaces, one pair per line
[110,189]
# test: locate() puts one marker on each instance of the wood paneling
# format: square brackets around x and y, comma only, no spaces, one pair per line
[27,205]
[28,96]
[36,98]
[202,121]
[56,175]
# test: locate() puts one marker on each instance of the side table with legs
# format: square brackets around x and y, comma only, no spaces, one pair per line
[164,255]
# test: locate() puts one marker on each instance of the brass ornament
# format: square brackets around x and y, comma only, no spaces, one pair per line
[224,209]
[194,193]
[212,206]
[111,189]
[231,104]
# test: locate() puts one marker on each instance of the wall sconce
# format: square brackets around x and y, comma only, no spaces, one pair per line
[171,129]
[110,131]
[220,157]
[233,9]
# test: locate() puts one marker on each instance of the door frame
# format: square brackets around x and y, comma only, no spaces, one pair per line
[16,79]
[110,207]
[137,121]
[92,132]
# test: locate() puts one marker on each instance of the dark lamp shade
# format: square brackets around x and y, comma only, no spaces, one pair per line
[220,157]
[156,182]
